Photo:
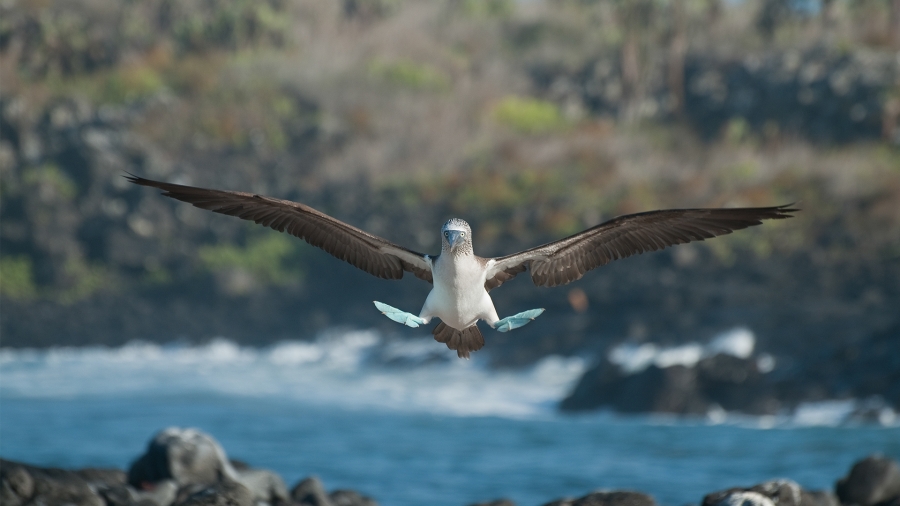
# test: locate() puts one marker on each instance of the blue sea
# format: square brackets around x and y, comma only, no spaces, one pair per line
[404,421]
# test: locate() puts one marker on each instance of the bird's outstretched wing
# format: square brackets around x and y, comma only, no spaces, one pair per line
[566,260]
[370,253]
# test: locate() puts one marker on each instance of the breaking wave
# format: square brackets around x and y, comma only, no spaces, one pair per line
[355,369]
[363,370]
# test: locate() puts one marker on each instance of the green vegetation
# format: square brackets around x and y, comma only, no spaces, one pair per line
[16,278]
[84,280]
[410,75]
[528,115]
[50,182]
[270,258]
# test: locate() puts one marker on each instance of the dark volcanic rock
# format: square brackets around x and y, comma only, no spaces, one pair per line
[725,381]
[873,480]
[226,493]
[672,389]
[770,493]
[186,455]
[310,492]
[615,498]
[23,484]
[497,502]
[350,498]
[191,457]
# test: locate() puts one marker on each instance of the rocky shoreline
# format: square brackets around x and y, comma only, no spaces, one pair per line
[186,467]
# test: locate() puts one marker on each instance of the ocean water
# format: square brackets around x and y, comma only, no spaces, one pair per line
[406,422]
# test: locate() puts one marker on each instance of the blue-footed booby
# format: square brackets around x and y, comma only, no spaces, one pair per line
[462,279]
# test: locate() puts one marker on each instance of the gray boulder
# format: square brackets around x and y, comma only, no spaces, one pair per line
[496,502]
[192,457]
[224,493]
[310,492]
[350,498]
[162,494]
[872,480]
[770,493]
[22,484]
[613,498]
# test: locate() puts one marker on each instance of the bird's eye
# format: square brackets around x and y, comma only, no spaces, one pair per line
[446,234]
[462,234]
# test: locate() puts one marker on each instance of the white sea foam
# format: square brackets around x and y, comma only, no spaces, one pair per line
[355,369]
[633,358]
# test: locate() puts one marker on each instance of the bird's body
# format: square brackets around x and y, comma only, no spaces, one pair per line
[458,297]
[462,279]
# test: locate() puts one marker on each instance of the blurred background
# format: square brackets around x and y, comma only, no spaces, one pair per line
[529,119]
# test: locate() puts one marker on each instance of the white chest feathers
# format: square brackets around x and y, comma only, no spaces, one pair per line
[458,297]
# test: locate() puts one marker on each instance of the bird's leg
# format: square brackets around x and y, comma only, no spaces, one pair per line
[408,319]
[518,320]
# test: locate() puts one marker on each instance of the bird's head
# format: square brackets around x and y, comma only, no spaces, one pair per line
[456,236]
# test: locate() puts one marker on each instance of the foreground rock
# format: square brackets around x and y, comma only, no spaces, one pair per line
[181,467]
[615,498]
[186,467]
[873,480]
[771,493]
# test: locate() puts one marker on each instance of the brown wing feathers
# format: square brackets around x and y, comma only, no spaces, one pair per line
[368,252]
[569,259]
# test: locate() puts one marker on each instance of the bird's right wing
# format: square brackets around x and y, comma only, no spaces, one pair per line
[566,260]
[361,249]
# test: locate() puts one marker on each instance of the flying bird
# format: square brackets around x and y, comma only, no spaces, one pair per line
[462,279]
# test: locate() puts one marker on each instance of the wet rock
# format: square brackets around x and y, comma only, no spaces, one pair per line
[714,383]
[163,493]
[350,498]
[310,492]
[186,455]
[872,480]
[16,484]
[191,457]
[265,485]
[102,478]
[737,498]
[225,493]
[497,502]
[770,493]
[24,484]
[614,498]
[671,389]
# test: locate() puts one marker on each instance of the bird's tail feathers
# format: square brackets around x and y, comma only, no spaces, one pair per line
[463,341]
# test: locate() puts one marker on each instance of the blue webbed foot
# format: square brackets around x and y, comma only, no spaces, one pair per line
[408,319]
[518,320]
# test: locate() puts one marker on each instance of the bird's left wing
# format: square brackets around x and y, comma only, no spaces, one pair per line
[361,249]
[566,260]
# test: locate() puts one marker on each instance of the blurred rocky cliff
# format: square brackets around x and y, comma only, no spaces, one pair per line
[531,120]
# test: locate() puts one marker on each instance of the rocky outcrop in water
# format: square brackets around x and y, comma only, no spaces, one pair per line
[757,384]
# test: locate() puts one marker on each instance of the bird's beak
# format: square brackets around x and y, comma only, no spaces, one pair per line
[453,237]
